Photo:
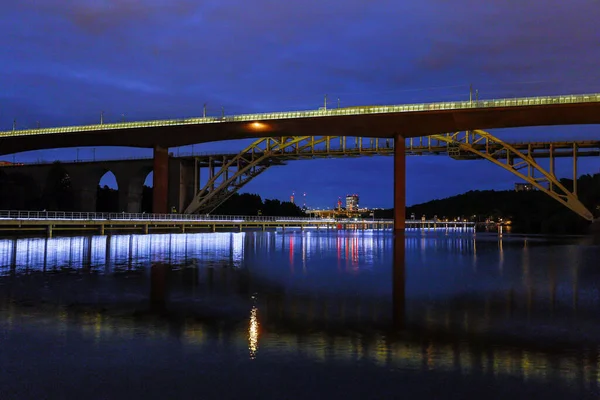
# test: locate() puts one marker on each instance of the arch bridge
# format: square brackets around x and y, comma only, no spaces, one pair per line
[227,173]
[396,122]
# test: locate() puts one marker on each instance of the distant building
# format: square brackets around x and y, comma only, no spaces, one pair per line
[352,202]
[523,187]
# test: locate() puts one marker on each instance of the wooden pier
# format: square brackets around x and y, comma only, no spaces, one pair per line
[52,222]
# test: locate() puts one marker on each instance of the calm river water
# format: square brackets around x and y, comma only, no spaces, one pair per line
[299,315]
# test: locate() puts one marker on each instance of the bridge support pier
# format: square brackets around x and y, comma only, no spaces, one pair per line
[160,180]
[181,184]
[85,198]
[131,185]
[399,183]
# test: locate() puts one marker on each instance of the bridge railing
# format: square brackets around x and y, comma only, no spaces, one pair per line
[359,110]
[147,217]
[123,216]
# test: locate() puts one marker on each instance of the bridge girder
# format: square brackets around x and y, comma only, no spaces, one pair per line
[484,145]
[236,171]
[263,153]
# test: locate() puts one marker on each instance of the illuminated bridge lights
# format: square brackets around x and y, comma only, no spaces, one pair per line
[349,111]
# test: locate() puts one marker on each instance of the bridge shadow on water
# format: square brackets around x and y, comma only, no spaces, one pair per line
[510,315]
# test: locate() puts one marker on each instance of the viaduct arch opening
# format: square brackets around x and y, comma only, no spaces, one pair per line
[107,197]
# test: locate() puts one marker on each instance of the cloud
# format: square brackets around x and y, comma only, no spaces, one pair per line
[66,60]
[544,44]
[101,16]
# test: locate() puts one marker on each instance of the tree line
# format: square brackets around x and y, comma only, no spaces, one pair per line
[529,211]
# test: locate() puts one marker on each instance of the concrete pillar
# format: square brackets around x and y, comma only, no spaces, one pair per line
[131,188]
[85,197]
[130,201]
[50,231]
[84,184]
[399,183]
[181,184]
[102,229]
[160,180]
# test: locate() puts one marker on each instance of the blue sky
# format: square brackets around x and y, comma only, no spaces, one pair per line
[65,61]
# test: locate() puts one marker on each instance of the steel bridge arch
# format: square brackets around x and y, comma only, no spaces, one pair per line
[237,170]
[504,155]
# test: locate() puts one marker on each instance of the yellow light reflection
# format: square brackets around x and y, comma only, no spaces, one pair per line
[253,333]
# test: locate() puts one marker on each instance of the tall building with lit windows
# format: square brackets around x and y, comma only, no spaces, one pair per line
[352,202]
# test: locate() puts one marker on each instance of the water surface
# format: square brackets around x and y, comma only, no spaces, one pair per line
[299,315]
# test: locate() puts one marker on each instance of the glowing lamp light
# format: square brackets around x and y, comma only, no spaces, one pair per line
[258,126]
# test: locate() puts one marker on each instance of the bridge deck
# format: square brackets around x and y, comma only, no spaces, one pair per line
[356,146]
[410,120]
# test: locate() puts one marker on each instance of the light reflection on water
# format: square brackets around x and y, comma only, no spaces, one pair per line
[476,305]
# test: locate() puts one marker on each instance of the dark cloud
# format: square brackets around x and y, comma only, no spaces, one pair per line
[98,17]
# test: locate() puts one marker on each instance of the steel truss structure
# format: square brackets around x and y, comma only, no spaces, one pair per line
[229,172]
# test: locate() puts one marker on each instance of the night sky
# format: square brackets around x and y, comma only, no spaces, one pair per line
[65,61]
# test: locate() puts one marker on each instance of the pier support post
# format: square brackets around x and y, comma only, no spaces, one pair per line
[399,183]
[399,278]
[102,229]
[160,181]
[50,231]
[146,229]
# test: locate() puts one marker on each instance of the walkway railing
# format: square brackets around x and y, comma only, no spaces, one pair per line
[123,216]
[359,110]
[178,218]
